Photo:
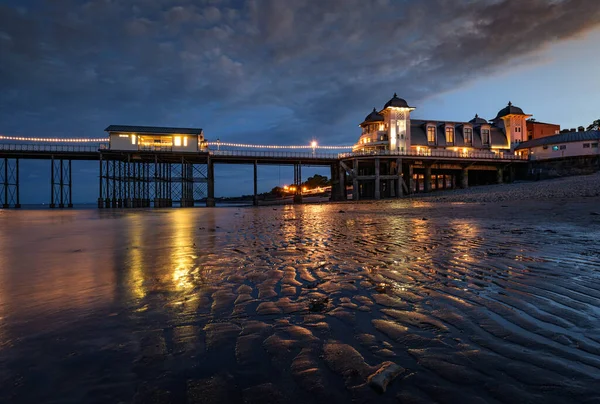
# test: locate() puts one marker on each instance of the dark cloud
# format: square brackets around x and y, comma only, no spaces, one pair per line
[72,67]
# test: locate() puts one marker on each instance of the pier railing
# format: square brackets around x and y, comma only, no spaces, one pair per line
[436,153]
[28,147]
[274,154]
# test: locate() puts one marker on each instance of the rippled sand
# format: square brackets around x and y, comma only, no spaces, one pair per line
[476,302]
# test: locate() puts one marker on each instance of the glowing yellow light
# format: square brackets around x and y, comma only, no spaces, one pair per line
[464,150]
[133,139]
[456,149]
[304,189]
[418,149]
[53,140]
[176,140]
[313,144]
[185,141]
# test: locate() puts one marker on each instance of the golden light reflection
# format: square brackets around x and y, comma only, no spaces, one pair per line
[135,273]
[183,255]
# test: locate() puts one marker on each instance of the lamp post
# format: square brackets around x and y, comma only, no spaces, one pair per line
[314,146]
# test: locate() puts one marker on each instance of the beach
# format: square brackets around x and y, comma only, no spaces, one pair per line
[488,294]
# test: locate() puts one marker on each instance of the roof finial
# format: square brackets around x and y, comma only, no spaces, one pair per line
[510,104]
[395,95]
[476,116]
[374,110]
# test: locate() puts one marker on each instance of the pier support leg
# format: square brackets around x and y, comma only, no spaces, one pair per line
[70,205]
[464,178]
[427,179]
[100,200]
[298,183]
[210,198]
[342,175]
[399,181]
[255,197]
[355,191]
[499,175]
[377,194]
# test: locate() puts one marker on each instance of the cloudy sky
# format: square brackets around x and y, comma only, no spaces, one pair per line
[285,72]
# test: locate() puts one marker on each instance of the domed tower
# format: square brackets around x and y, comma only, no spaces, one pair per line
[513,120]
[396,114]
[371,138]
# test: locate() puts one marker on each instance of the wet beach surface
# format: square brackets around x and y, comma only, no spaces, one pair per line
[479,302]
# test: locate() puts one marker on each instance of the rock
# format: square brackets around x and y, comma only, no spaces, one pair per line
[384,375]
[424,218]
[594,213]
[341,211]
[318,304]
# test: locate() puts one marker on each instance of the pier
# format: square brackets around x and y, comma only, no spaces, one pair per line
[164,178]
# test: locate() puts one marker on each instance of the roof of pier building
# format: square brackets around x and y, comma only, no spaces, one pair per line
[510,109]
[478,120]
[567,137]
[396,102]
[153,130]
[418,134]
[373,117]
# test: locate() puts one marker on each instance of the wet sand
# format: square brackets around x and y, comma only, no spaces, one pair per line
[476,302]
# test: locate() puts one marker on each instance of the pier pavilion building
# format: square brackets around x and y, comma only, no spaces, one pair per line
[152,138]
[392,129]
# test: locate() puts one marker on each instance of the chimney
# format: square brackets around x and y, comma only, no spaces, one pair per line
[572,130]
[580,129]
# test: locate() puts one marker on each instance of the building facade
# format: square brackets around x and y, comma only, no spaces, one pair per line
[392,129]
[569,144]
[537,130]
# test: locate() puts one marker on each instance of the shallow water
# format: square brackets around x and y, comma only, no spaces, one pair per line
[478,303]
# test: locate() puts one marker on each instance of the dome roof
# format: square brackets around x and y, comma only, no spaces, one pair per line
[478,121]
[374,117]
[508,110]
[396,102]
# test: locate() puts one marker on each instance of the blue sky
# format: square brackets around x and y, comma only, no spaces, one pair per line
[271,71]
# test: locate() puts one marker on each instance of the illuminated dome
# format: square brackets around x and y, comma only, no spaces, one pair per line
[396,102]
[509,110]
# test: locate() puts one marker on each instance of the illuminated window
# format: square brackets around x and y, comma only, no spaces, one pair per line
[468,132]
[431,134]
[485,136]
[133,139]
[185,141]
[177,141]
[449,135]
[123,135]
[555,148]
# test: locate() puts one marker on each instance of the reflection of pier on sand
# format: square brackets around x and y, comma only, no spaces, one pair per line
[184,304]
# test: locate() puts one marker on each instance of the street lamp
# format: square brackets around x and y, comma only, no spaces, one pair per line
[314,146]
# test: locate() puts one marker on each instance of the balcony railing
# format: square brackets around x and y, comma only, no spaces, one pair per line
[436,153]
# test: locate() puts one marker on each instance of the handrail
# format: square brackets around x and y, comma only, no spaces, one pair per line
[252,153]
[277,154]
[437,153]
[28,147]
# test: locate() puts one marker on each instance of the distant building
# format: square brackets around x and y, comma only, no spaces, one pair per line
[392,129]
[152,138]
[536,130]
[569,144]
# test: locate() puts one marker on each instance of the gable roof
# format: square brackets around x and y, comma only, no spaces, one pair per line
[156,130]
[561,138]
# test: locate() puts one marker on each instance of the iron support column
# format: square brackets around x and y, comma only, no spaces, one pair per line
[255,198]
[18,202]
[355,193]
[70,185]
[210,198]
[377,194]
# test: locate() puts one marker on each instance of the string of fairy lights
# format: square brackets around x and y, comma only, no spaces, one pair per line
[264,146]
[217,144]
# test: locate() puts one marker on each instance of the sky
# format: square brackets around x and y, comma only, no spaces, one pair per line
[284,72]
